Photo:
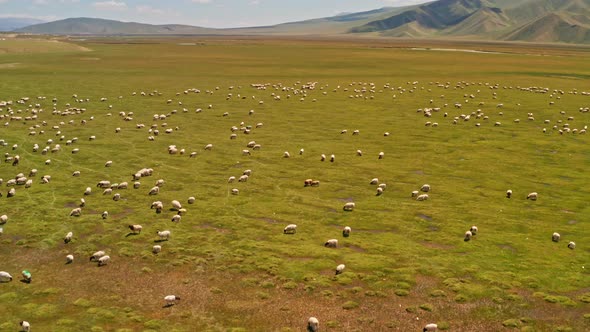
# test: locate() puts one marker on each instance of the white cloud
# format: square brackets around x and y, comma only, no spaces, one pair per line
[202,1]
[40,2]
[149,10]
[255,2]
[110,5]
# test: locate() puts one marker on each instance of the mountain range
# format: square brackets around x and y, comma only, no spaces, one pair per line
[565,21]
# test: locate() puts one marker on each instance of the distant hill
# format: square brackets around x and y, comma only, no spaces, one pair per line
[97,26]
[13,23]
[566,21]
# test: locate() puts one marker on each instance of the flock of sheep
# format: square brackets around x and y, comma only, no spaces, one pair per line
[11,112]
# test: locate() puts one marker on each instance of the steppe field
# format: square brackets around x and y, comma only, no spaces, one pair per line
[471,125]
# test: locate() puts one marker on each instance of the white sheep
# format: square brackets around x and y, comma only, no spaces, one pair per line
[171,300]
[246,152]
[322,157]
[231,179]
[82,202]
[290,229]
[381,155]
[69,259]
[243,178]
[123,185]
[313,324]
[349,206]
[136,185]
[104,260]
[154,191]
[332,158]
[176,205]
[76,212]
[571,245]
[76,173]
[425,188]
[374,181]
[422,197]
[508,193]
[532,196]
[97,255]
[473,230]
[5,276]
[11,192]
[88,191]
[164,235]
[191,200]
[176,218]
[136,229]
[103,184]
[107,191]
[555,237]
[346,231]
[3,219]
[156,249]
[331,243]
[160,183]
[116,197]
[286,154]
[359,153]
[159,206]
[468,236]
[301,151]
[108,163]
[208,146]
[340,269]
[430,328]
[25,326]
[379,191]
[68,237]
[235,191]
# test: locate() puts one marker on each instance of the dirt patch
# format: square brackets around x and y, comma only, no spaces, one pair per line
[268,220]
[217,229]
[123,214]
[507,247]
[425,217]
[572,222]
[437,245]
[433,228]
[355,248]
[347,199]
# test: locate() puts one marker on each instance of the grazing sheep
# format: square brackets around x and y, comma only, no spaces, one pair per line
[164,235]
[381,155]
[468,236]
[82,202]
[136,229]
[76,212]
[116,197]
[68,237]
[307,182]
[332,243]
[379,191]
[208,146]
[359,153]
[246,153]
[5,276]
[76,173]
[332,158]
[571,245]
[108,163]
[425,188]
[3,219]
[107,191]
[176,205]
[315,183]
[25,326]
[193,154]
[191,200]
[290,229]
[171,300]
[154,191]
[322,157]
[301,151]
[69,259]
[286,154]
[346,231]
[88,191]
[415,193]
[374,181]
[97,255]
[176,218]
[430,328]
[159,206]
[422,197]
[103,260]
[243,178]
[123,185]
[508,193]
[340,269]
[231,179]
[313,324]
[555,237]
[156,249]
[160,183]
[136,185]
[382,186]
[235,191]
[104,184]
[11,192]
[349,206]
[473,230]
[532,196]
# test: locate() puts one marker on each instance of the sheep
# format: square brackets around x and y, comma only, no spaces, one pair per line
[25,326]
[425,188]
[88,191]
[381,155]
[532,196]
[76,212]
[82,202]
[176,218]
[322,157]
[374,181]
[193,154]
[246,152]
[69,259]
[33,172]
[103,184]
[103,260]
[301,151]
[159,206]
[108,163]
[555,237]
[116,197]
[160,183]
[473,230]
[123,185]
[156,249]
[107,191]
[332,158]
[154,191]
[176,205]
[340,269]
[231,179]
[68,237]
[346,231]
[11,192]
[97,255]
[136,229]
[3,219]
[136,185]
[430,328]
[379,191]
[5,276]
[332,243]
[508,193]
[209,147]
[422,197]
[164,235]
[171,300]
[286,154]
[191,200]
[468,236]
[349,206]
[359,153]
[383,186]
[313,324]
[290,229]
[571,245]
[235,191]
[315,183]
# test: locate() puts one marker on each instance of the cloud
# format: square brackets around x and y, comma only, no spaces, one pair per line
[40,2]
[255,2]
[149,10]
[202,1]
[69,1]
[110,5]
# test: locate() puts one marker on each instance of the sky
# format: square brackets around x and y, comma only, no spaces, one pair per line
[206,13]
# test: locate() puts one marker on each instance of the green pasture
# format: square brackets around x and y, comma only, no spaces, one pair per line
[228,259]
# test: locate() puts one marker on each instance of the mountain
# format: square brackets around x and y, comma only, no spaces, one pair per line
[97,26]
[562,21]
[13,23]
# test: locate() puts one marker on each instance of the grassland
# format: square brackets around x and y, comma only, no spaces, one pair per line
[227,259]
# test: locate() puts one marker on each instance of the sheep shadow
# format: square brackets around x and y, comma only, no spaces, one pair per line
[160,240]
[131,234]
[168,305]
[68,263]
[26,281]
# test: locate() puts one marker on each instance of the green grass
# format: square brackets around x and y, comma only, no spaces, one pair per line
[228,258]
